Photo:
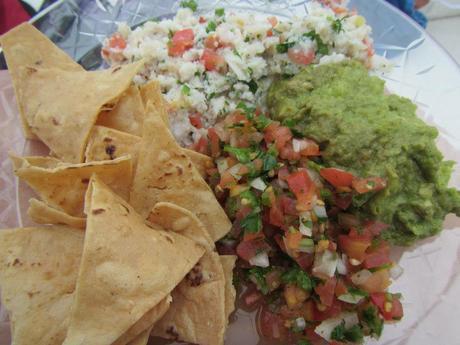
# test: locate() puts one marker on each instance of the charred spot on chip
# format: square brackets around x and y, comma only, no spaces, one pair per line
[180,171]
[85,180]
[195,276]
[108,140]
[126,208]
[172,331]
[17,262]
[116,69]
[110,150]
[38,62]
[98,211]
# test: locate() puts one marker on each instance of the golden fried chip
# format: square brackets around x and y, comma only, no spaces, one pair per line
[62,106]
[127,115]
[24,45]
[42,213]
[127,268]
[64,186]
[165,173]
[38,272]
[228,264]
[151,93]
[197,314]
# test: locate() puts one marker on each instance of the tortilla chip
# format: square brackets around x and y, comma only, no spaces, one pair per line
[127,268]
[42,213]
[143,338]
[128,115]
[38,272]
[26,46]
[165,173]
[37,161]
[228,264]
[146,322]
[151,92]
[197,314]
[64,186]
[107,143]
[61,106]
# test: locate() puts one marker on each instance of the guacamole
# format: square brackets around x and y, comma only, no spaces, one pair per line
[365,131]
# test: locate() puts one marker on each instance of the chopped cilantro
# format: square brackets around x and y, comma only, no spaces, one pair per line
[303,342]
[243,155]
[262,122]
[219,12]
[337,24]
[353,334]
[252,223]
[248,111]
[232,206]
[258,274]
[357,292]
[283,47]
[250,197]
[185,90]
[269,162]
[252,86]
[236,53]
[321,47]
[189,4]
[373,321]
[338,333]
[211,95]
[298,277]
[211,27]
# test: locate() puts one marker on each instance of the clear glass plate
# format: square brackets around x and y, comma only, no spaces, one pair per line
[423,72]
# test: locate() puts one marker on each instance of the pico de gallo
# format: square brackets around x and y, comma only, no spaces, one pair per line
[315,273]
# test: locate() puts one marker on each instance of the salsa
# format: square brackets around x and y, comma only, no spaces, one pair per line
[316,273]
[368,132]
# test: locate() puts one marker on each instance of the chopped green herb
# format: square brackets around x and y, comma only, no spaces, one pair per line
[337,25]
[236,53]
[211,95]
[232,206]
[252,86]
[303,342]
[258,274]
[252,223]
[358,292]
[284,47]
[321,47]
[250,197]
[189,4]
[219,12]
[185,90]
[373,321]
[354,334]
[298,277]
[262,122]
[269,162]
[243,155]
[338,333]
[211,27]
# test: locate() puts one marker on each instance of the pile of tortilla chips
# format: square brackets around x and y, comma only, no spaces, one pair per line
[126,248]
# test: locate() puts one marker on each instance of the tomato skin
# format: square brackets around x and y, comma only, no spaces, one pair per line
[354,248]
[215,142]
[396,311]
[301,57]
[376,257]
[287,152]
[288,205]
[337,177]
[303,188]
[211,42]
[271,325]
[181,41]
[213,61]
[340,288]
[276,216]
[378,282]
[248,249]
[311,149]
[326,291]
[227,180]
[278,134]
[195,120]
[370,184]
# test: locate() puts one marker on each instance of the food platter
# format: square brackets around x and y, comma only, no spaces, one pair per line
[430,282]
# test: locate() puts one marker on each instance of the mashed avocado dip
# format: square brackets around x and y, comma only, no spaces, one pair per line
[365,131]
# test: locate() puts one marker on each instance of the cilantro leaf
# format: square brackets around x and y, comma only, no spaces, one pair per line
[261,122]
[338,333]
[337,25]
[298,277]
[211,27]
[189,4]
[258,275]
[354,334]
[284,47]
[219,12]
[252,86]
[250,197]
[252,223]
[243,155]
[321,47]
[373,321]
[185,90]
[303,342]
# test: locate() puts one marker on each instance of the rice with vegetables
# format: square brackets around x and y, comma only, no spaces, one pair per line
[208,64]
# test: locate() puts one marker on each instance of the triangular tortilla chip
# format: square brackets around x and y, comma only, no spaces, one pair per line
[42,213]
[143,338]
[127,115]
[127,268]
[197,314]
[64,186]
[107,143]
[165,173]
[228,264]
[37,161]
[24,45]
[38,272]
[61,106]
[151,93]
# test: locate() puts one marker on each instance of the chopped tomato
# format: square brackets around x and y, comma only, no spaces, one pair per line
[287,152]
[276,216]
[269,33]
[390,308]
[337,177]
[378,282]
[201,146]
[340,288]
[181,41]
[342,200]
[370,47]
[288,205]
[227,180]
[117,41]
[213,61]
[273,21]
[215,143]
[311,148]
[334,310]
[202,20]
[248,249]
[375,227]
[303,188]
[278,134]
[326,291]
[252,298]
[354,247]
[283,173]
[370,184]
[314,338]
[377,257]
[195,120]
[253,235]
[300,56]
[271,325]
[305,260]
[211,42]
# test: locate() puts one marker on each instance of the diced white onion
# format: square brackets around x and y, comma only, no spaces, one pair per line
[325,328]
[258,184]
[305,230]
[299,145]
[325,263]
[300,323]
[396,271]
[234,171]
[222,165]
[341,265]
[320,211]
[260,260]
[350,298]
[360,277]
